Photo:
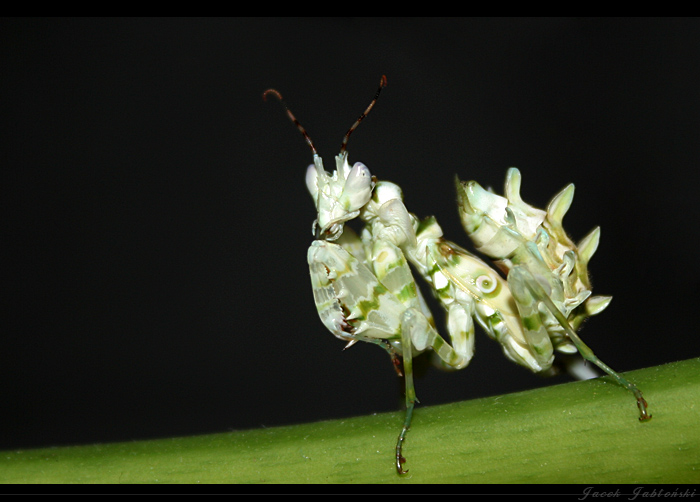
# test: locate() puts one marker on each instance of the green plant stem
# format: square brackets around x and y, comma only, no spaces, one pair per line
[581,432]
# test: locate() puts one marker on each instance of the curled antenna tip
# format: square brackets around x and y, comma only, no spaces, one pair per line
[272,91]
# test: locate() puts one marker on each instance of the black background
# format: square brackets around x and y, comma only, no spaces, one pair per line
[156,220]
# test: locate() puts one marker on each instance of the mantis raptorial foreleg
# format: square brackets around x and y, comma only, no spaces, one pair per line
[376,305]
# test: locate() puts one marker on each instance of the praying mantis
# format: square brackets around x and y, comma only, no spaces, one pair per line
[364,288]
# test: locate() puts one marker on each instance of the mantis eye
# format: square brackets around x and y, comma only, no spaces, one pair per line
[358,186]
[486,283]
[359,178]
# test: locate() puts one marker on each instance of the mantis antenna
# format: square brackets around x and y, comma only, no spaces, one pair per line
[382,84]
[291,117]
[275,92]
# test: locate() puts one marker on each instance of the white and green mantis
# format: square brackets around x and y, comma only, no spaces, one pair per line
[364,289]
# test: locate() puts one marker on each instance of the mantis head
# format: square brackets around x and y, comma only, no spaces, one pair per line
[339,196]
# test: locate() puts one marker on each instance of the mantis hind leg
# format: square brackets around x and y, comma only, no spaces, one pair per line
[588,355]
[585,351]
